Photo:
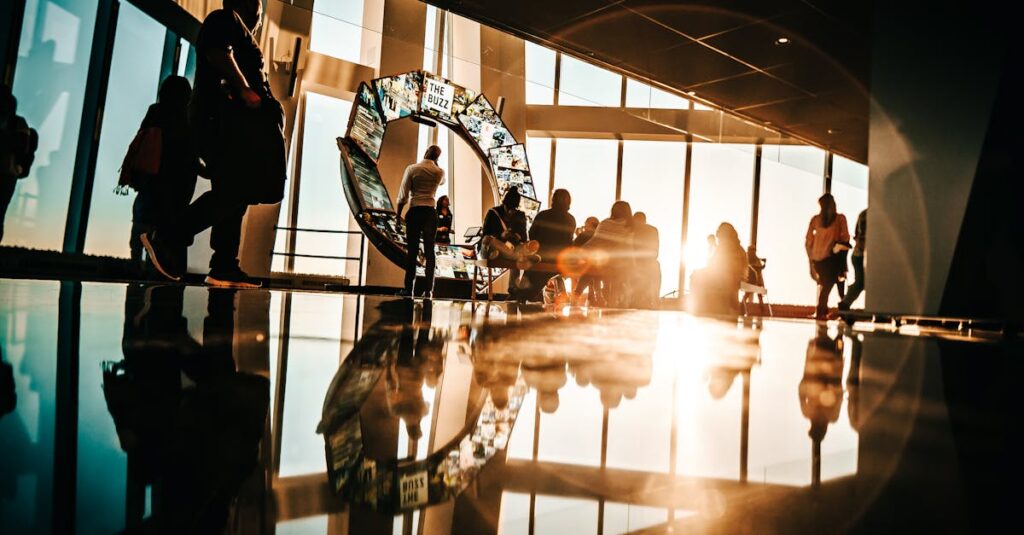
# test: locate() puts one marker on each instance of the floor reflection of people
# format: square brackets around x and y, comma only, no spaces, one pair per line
[190,423]
[419,362]
[821,390]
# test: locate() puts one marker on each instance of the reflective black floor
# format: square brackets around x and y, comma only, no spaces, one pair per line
[187,410]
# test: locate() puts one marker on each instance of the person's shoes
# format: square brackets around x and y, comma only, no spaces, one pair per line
[161,256]
[232,278]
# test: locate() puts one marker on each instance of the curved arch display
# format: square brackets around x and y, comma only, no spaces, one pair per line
[425,97]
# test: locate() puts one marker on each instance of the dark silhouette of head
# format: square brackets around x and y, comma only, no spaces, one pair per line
[561,200]
[591,223]
[511,199]
[251,12]
[433,153]
[640,218]
[443,202]
[726,234]
[175,91]
[621,211]
[827,204]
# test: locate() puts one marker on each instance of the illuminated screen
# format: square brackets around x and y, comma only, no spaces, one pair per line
[511,157]
[530,207]
[390,226]
[367,127]
[442,99]
[372,189]
[452,262]
[399,95]
[484,126]
[514,178]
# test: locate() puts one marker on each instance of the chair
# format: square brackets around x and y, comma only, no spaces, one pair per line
[754,285]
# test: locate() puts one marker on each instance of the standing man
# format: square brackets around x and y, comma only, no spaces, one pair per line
[232,115]
[857,259]
[553,229]
[419,186]
[648,273]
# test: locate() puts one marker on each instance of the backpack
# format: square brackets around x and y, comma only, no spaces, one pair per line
[24,142]
[142,161]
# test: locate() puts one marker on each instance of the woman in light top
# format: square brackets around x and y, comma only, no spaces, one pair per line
[827,242]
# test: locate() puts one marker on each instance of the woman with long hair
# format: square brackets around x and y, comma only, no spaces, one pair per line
[444,221]
[827,242]
[716,287]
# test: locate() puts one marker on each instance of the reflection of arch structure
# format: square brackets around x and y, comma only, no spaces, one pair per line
[421,95]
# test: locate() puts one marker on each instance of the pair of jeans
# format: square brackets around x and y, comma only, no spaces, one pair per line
[855,289]
[420,225]
[222,211]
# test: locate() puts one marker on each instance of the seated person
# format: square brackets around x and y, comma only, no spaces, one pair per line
[505,234]
[553,229]
[612,253]
[716,287]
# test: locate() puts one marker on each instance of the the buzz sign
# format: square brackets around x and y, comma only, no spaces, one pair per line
[413,489]
[437,97]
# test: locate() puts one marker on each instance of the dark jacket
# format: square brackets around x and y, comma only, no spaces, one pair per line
[509,226]
[165,195]
[553,229]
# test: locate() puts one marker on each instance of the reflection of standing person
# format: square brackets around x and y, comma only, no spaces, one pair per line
[821,390]
[419,185]
[552,228]
[857,259]
[648,270]
[163,198]
[444,221]
[826,243]
[237,125]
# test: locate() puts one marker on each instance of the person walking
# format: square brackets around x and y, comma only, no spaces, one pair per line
[826,243]
[860,237]
[163,198]
[238,129]
[553,229]
[419,185]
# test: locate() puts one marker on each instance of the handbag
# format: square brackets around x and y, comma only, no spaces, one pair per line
[141,161]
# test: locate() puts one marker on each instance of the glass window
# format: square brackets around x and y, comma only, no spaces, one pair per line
[338,30]
[53,63]
[652,181]
[586,167]
[322,204]
[538,153]
[850,188]
[641,95]
[554,514]
[791,182]
[583,84]
[721,190]
[540,74]
[134,81]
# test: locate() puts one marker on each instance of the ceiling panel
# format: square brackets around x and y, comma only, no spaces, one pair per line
[816,84]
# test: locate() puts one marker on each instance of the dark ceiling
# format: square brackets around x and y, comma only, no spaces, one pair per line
[813,88]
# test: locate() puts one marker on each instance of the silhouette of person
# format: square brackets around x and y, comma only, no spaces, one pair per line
[648,270]
[419,185]
[163,198]
[821,389]
[716,287]
[553,229]
[189,422]
[231,97]
[444,220]
[857,259]
[18,144]
[826,242]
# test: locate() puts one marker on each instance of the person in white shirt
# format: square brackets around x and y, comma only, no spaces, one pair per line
[419,186]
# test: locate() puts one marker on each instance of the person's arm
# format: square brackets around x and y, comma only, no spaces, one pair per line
[404,191]
[224,62]
[809,238]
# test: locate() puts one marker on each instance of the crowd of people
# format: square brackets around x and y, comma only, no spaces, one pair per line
[614,262]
